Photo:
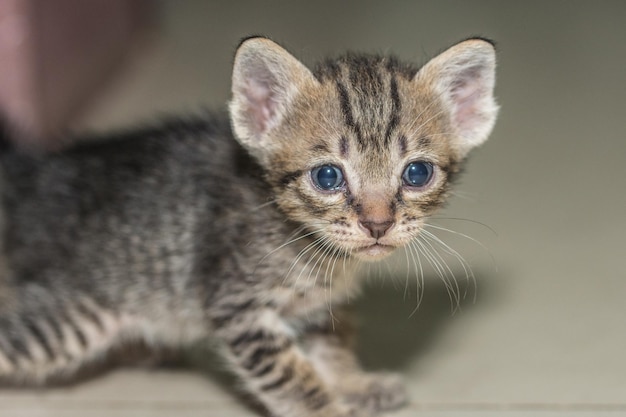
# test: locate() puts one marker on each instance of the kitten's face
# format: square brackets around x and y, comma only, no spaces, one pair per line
[363,151]
[367,183]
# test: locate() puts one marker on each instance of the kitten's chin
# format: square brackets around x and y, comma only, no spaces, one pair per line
[373,252]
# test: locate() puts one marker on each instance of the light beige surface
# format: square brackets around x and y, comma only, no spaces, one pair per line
[547,333]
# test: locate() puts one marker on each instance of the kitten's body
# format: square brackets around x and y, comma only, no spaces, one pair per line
[143,230]
[177,234]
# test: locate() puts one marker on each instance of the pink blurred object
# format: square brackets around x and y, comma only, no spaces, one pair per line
[54,54]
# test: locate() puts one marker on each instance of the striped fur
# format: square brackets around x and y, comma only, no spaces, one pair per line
[188,231]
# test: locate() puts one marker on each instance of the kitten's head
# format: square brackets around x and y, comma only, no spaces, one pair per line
[363,149]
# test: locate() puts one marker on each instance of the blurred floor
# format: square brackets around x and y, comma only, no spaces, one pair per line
[547,333]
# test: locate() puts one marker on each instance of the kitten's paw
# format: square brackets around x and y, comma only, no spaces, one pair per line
[378,392]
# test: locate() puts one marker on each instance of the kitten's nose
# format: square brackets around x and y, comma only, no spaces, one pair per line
[376,229]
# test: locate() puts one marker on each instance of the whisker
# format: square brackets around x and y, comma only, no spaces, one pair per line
[321,261]
[469,274]
[337,254]
[319,256]
[491,229]
[442,270]
[464,195]
[463,235]
[417,263]
[289,242]
[345,281]
[303,252]
[408,269]
[328,248]
[415,120]
[438,134]
[269,203]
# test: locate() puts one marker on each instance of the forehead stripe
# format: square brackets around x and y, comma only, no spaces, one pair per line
[346,110]
[343,147]
[395,110]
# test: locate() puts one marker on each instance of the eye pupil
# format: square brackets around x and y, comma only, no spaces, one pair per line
[327,177]
[417,174]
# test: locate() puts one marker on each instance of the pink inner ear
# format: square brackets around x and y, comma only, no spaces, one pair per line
[466,95]
[261,106]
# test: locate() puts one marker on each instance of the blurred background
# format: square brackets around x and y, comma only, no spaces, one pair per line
[543,333]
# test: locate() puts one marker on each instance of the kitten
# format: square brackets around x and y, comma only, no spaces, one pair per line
[171,235]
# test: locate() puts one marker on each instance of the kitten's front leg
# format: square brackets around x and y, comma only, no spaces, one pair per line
[330,347]
[274,368]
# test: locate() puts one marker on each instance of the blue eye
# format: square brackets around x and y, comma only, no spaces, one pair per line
[417,174]
[327,177]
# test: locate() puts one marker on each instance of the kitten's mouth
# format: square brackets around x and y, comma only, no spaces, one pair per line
[374,252]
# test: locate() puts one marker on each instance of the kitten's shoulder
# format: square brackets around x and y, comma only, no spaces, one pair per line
[170,149]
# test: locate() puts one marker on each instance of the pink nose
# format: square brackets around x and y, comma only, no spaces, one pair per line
[376,229]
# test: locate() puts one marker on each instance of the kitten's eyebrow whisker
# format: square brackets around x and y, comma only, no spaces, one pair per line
[428,120]
[430,135]
[428,106]
[411,126]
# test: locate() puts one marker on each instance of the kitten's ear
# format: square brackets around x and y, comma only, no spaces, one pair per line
[266,78]
[464,77]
